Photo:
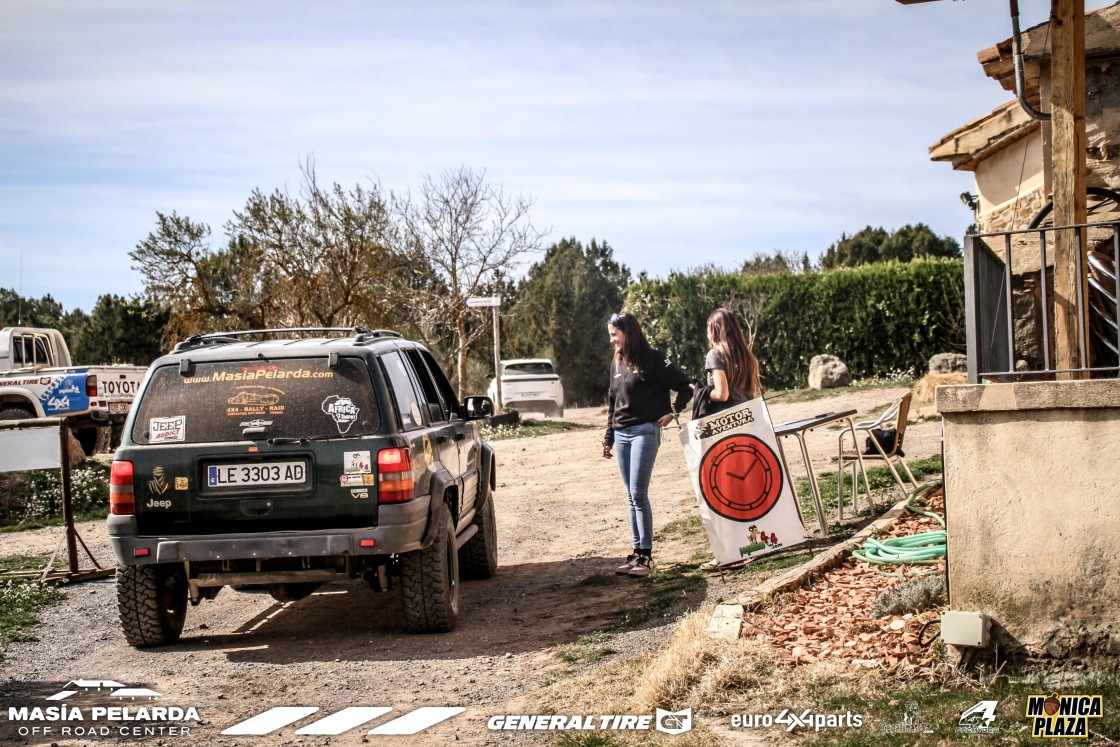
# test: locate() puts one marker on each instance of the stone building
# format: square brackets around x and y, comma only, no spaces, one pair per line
[1008,151]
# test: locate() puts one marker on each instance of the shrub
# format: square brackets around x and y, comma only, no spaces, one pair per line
[878,318]
[37,494]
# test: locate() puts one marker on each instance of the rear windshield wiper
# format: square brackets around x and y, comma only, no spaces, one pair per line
[301,440]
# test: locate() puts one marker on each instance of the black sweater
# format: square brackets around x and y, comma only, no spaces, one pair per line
[642,396]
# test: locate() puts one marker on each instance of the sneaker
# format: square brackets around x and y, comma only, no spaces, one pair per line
[623,569]
[643,565]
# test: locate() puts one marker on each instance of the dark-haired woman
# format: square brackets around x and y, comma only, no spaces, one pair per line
[638,406]
[730,364]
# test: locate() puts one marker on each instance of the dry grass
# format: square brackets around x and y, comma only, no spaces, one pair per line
[925,387]
[712,676]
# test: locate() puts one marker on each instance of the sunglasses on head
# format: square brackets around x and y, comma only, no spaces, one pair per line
[616,318]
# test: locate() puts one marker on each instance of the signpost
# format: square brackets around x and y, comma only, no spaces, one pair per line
[44,443]
[494,302]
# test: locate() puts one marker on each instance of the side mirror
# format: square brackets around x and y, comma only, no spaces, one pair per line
[478,407]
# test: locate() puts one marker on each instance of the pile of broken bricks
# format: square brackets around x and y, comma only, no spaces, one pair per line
[822,609]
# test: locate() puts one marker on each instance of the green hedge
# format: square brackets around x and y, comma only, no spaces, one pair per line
[879,319]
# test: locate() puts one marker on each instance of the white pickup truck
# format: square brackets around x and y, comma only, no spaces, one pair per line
[38,380]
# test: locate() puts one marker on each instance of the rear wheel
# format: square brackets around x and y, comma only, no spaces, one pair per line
[430,581]
[151,603]
[1100,205]
[14,413]
[94,440]
[478,558]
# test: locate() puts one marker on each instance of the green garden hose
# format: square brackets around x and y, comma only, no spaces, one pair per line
[915,549]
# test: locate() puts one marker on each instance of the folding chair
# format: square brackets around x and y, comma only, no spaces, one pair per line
[893,417]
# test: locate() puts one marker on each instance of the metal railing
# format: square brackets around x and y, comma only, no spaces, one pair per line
[1009,303]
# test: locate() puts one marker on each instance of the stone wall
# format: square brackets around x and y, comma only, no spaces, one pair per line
[1012,216]
[1033,513]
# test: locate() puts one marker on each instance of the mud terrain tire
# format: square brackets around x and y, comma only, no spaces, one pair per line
[94,440]
[15,413]
[151,603]
[430,581]
[479,557]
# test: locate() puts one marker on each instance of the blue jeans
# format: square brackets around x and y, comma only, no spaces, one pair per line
[636,449]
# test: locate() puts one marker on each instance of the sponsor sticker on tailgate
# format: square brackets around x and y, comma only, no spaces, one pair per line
[166,430]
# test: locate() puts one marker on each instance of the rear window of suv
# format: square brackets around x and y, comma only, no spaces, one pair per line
[234,400]
[535,368]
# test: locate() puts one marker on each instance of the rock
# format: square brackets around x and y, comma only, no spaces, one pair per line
[828,372]
[77,453]
[948,363]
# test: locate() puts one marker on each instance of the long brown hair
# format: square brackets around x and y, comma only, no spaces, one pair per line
[634,342]
[727,337]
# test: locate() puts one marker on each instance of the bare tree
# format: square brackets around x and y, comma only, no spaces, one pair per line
[200,289]
[468,232]
[329,249]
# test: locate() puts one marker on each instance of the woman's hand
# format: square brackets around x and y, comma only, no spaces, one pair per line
[607,453]
[664,420]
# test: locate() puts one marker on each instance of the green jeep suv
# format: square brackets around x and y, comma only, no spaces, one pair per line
[278,460]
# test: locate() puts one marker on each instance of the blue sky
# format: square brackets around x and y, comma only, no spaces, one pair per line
[682,133]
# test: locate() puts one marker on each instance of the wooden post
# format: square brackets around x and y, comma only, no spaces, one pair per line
[1067,106]
[497,359]
[67,495]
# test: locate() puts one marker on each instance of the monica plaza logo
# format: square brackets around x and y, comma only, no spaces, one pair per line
[92,709]
[1062,716]
[669,722]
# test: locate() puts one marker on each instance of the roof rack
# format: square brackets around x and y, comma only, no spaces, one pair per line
[361,334]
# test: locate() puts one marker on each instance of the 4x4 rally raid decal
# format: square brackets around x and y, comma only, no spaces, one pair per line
[254,401]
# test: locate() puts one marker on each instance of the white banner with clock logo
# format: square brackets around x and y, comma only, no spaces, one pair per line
[746,502]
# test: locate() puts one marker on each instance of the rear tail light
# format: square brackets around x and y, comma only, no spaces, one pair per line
[394,476]
[91,385]
[122,494]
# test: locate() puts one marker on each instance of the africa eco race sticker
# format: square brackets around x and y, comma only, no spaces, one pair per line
[356,462]
[342,410]
[167,430]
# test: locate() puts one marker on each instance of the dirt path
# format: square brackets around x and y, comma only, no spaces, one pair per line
[562,528]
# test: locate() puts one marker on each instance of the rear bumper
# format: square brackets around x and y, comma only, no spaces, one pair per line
[400,529]
[534,405]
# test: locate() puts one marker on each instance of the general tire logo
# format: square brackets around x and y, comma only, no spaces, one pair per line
[740,478]
[343,721]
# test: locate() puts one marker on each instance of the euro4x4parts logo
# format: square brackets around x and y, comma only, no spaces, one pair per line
[789,720]
[92,709]
[1062,716]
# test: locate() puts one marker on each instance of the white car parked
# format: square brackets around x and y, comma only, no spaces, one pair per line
[530,385]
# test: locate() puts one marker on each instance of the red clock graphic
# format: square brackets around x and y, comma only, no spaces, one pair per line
[741,478]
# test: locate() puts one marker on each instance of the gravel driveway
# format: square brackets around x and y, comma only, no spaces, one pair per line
[562,528]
